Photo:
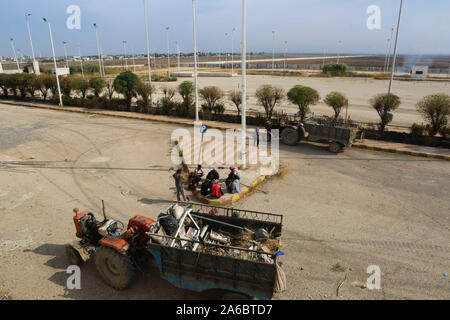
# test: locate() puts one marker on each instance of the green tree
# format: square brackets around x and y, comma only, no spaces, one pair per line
[303,97]
[81,86]
[212,96]
[235,96]
[385,104]
[66,84]
[4,84]
[335,69]
[45,83]
[110,90]
[435,109]
[13,82]
[337,101]
[269,97]
[145,91]
[97,84]
[186,90]
[126,84]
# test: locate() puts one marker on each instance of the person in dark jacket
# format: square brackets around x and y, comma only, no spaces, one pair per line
[213,175]
[179,185]
[206,187]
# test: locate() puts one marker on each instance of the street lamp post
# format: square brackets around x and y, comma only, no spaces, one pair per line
[178,56]
[273,52]
[54,62]
[125,55]
[232,51]
[15,54]
[98,49]
[132,56]
[285,55]
[244,84]
[65,53]
[168,51]
[81,60]
[148,43]
[395,48]
[195,61]
[35,66]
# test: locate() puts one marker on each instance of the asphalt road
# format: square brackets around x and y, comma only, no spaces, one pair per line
[357,209]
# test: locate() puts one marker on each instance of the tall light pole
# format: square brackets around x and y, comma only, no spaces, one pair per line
[273,52]
[168,51]
[125,55]
[395,48]
[101,60]
[132,56]
[386,57]
[244,84]
[195,61]
[178,54]
[54,61]
[81,60]
[285,55]
[98,49]
[35,66]
[65,53]
[148,43]
[232,51]
[15,54]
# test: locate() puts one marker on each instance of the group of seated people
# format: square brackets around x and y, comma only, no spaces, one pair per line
[211,185]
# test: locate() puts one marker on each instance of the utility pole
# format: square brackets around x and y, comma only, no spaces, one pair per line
[54,61]
[168,51]
[195,61]
[81,60]
[65,53]
[395,48]
[148,44]
[273,52]
[35,65]
[232,51]
[125,55]
[98,49]
[15,54]
[244,84]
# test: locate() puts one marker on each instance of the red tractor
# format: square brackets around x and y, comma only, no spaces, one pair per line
[116,250]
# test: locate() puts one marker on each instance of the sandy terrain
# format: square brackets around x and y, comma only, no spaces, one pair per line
[357,209]
[358,90]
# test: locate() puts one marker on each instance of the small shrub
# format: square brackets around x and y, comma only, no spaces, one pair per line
[417,130]
[335,69]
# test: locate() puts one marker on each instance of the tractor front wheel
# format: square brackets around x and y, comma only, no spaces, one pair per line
[290,136]
[336,147]
[116,269]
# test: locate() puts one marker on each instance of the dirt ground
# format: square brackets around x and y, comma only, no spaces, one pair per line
[357,209]
[358,90]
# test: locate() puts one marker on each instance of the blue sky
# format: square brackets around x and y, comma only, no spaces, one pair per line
[309,26]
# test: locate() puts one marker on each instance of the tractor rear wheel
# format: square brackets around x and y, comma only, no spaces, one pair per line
[290,136]
[116,269]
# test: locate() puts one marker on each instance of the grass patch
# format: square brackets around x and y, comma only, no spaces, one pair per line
[338,268]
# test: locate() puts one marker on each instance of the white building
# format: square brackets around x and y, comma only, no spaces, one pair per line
[419,71]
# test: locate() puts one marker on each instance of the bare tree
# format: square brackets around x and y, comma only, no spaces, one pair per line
[269,97]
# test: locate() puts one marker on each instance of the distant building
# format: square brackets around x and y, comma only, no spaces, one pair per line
[419,71]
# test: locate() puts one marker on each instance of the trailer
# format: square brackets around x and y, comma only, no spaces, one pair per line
[190,257]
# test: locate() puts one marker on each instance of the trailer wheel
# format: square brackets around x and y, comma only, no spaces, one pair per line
[336,147]
[116,269]
[73,255]
[235,296]
[290,136]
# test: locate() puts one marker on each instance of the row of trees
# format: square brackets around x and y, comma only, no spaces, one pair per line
[76,91]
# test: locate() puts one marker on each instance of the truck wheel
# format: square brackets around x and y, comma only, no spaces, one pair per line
[235,296]
[116,269]
[73,255]
[290,136]
[336,147]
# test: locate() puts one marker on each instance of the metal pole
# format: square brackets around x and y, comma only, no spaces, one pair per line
[232,51]
[15,54]
[168,51]
[178,53]
[195,61]
[244,84]
[102,61]
[395,48]
[125,55]
[37,72]
[98,49]
[81,60]
[226,54]
[273,52]
[148,44]
[132,56]
[385,59]
[65,53]
[54,61]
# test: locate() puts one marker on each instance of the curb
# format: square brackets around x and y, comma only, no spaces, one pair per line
[218,202]
[410,153]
